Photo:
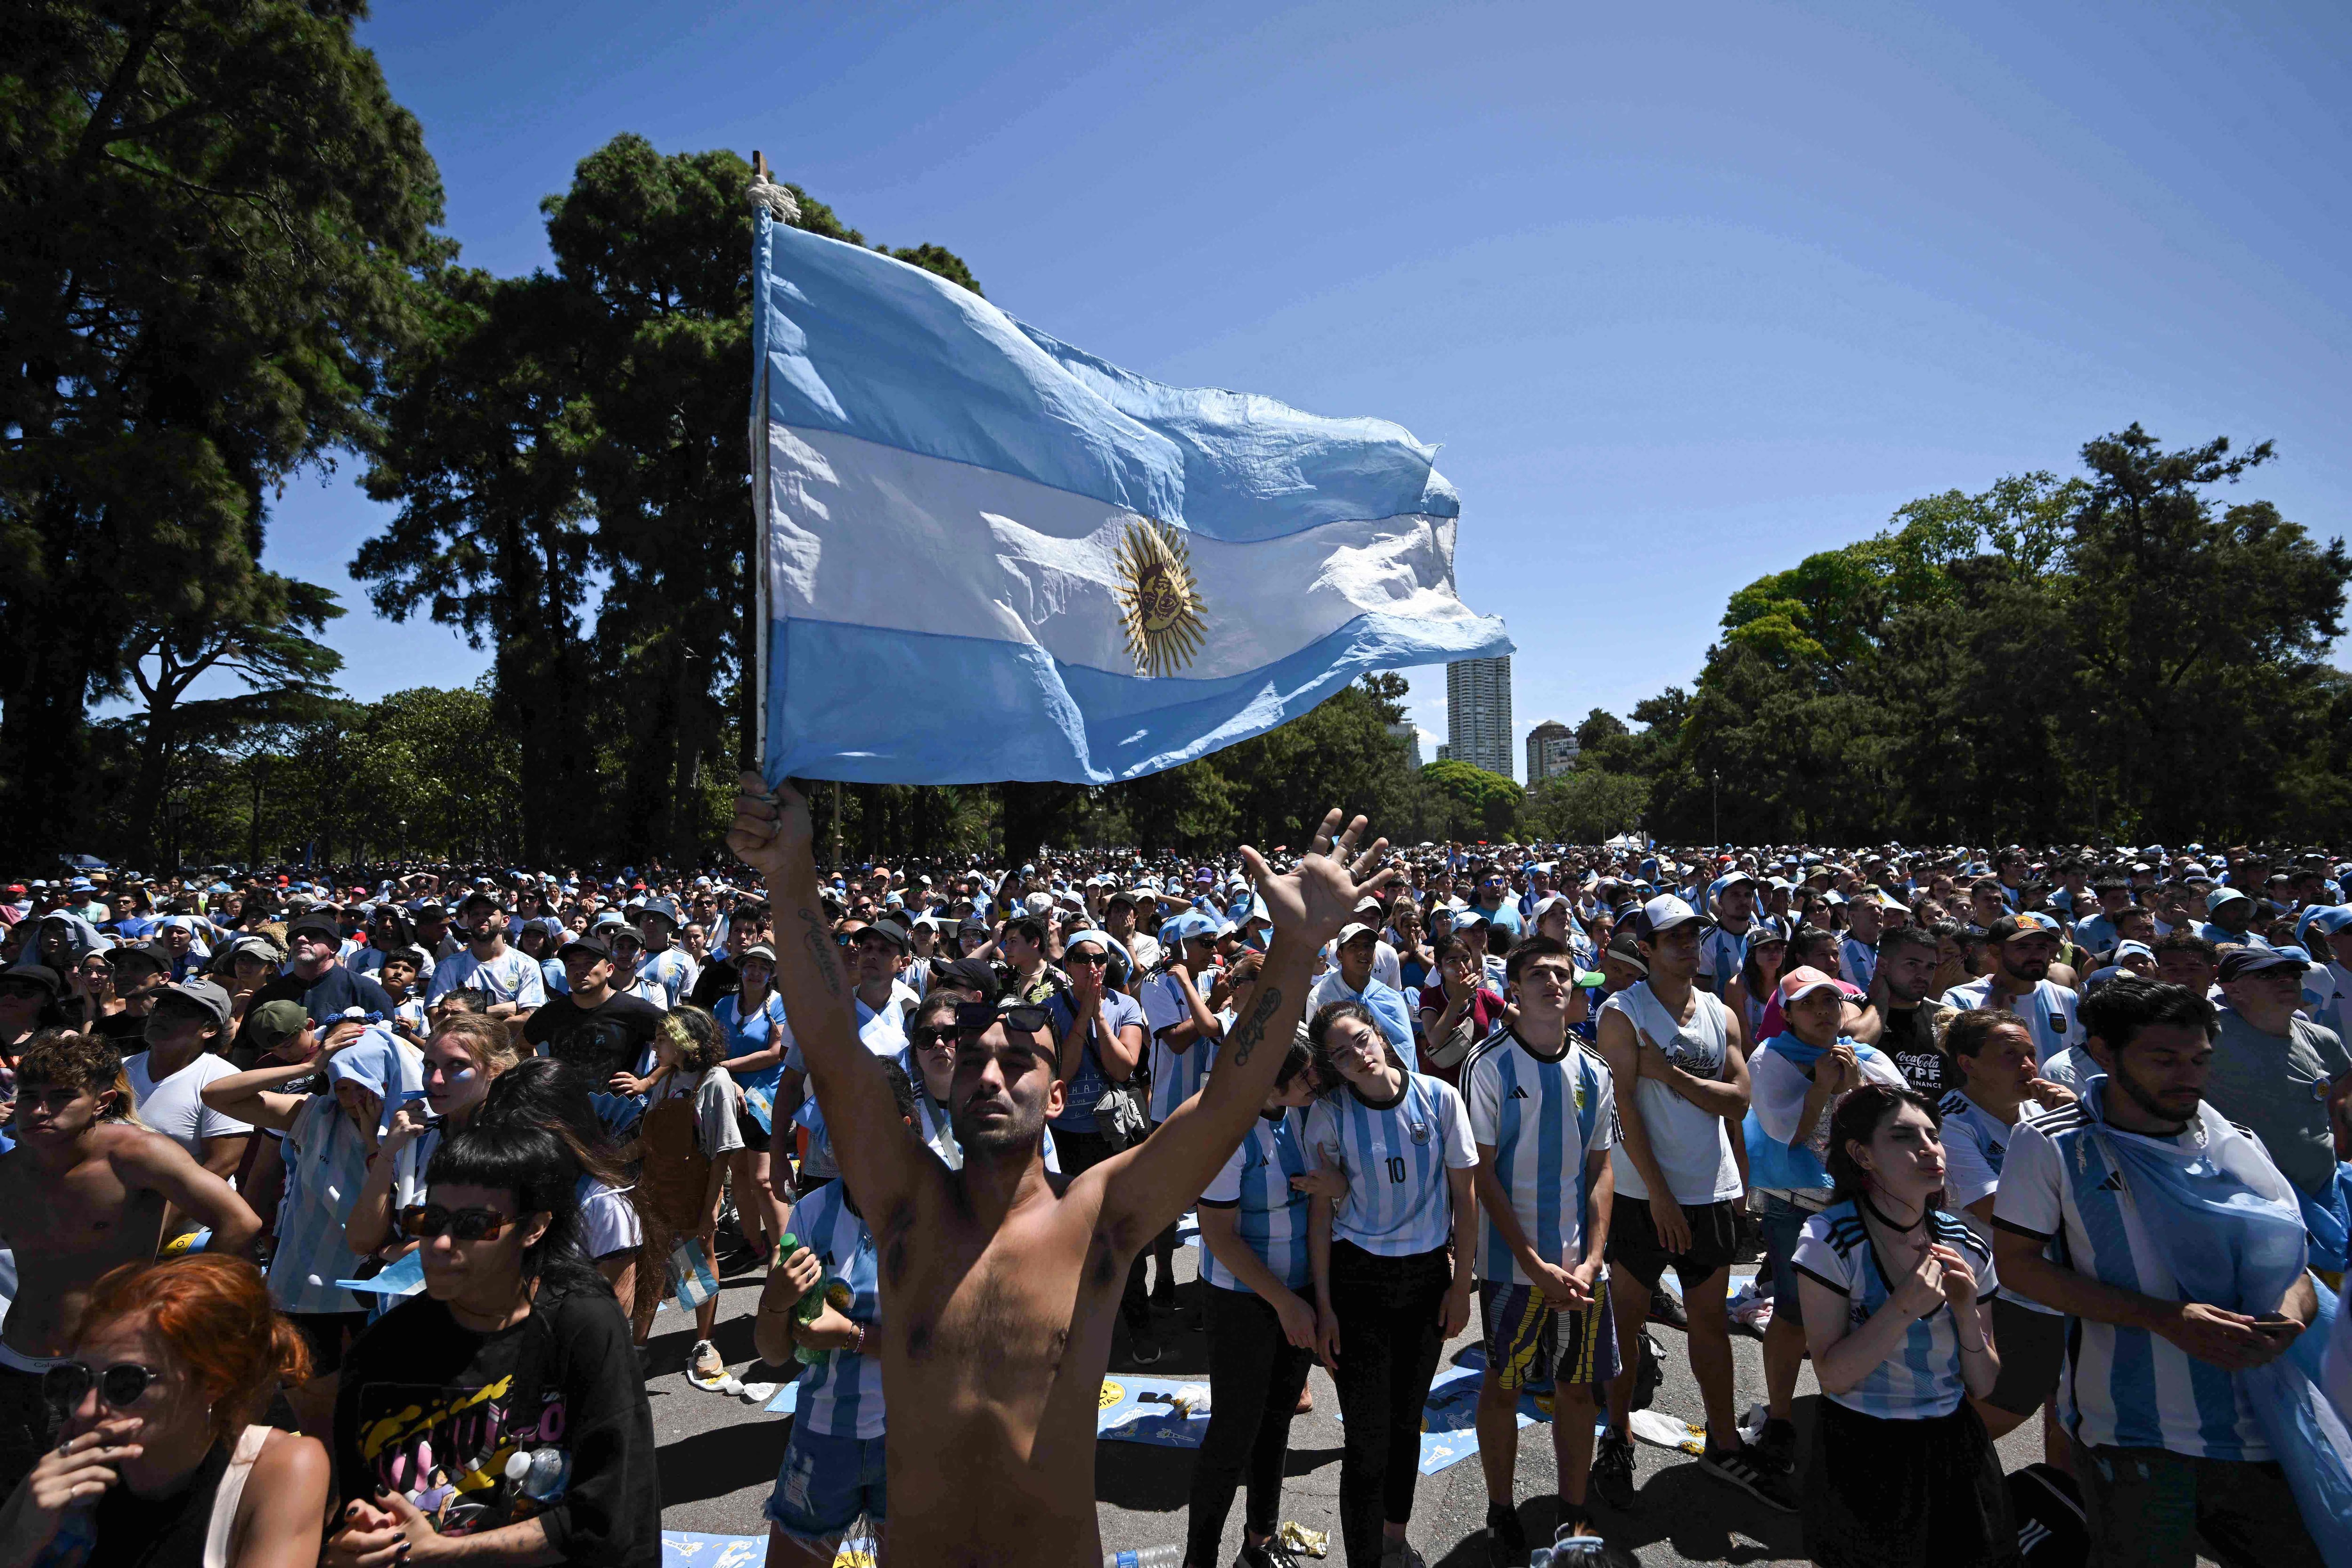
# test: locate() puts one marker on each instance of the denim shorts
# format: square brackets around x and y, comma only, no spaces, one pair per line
[824,1484]
[1782,1223]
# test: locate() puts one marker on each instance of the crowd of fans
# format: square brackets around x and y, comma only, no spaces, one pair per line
[2012,1138]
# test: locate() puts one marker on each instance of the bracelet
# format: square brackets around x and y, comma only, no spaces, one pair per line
[858,1346]
[1977,1349]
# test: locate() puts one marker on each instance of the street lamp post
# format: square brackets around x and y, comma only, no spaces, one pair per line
[1714,792]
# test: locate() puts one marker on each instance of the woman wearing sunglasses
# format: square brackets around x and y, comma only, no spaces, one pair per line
[503,1404]
[160,1463]
[466,1054]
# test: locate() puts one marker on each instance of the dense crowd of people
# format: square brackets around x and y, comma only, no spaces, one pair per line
[341,1204]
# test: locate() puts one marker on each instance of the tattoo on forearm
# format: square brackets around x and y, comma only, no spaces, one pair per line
[1253,1028]
[819,943]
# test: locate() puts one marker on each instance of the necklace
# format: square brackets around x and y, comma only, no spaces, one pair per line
[1897,1229]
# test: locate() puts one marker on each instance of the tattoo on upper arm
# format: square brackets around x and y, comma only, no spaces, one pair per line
[1253,1028]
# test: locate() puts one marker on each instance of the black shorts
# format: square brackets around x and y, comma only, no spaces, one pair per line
[754,1136]
[2033,1347]
[1635,1247]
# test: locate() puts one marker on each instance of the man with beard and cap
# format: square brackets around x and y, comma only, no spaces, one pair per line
[998,1286]
[511,984]
[2021,948]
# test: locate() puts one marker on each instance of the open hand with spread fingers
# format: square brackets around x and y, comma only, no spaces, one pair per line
[1318,897]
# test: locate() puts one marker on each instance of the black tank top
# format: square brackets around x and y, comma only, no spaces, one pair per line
[158,1533]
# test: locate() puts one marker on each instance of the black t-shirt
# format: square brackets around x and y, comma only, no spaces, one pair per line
[440,1413]
[338,989]
[599,1041]
[1910,1042]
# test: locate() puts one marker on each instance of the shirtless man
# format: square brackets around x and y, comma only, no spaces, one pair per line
[1000,1284]
[81,1192]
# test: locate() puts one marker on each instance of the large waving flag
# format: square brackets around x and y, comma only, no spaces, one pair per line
[990,557]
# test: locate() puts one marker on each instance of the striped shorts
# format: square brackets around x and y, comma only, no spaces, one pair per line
[1530,1343]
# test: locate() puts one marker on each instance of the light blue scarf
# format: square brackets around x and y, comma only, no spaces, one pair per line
[2230,1229]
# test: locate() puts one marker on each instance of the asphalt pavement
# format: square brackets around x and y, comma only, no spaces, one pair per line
[719,1458]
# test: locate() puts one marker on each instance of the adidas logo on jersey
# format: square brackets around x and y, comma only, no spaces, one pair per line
[1516,1093]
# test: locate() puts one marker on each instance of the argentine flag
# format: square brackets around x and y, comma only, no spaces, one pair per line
[989,556]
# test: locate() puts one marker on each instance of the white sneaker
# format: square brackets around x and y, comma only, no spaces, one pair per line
[707,1370]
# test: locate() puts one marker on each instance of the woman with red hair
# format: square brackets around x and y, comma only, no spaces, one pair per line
[161,1465]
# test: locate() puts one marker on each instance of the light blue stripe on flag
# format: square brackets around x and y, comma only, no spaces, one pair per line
[987,555]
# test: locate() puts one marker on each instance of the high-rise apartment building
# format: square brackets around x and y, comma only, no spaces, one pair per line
[1410,735]
[1551,752]
[1478,712]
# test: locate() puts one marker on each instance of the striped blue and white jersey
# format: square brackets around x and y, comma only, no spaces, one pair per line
[1543,1117]
[512,976]
[2122,1387]
[553,978]
[1269,1215]
[2048,1013]
[1923,1379]
[1976,1147]
[841,1396]
[1721,954]
[1176,1076]
[1857,962]
[669,971]
[1395,1157]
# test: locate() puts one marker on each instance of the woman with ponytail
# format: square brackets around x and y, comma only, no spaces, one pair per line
[163,1465]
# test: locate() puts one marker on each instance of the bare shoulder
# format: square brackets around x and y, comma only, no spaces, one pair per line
[290,1458]
[135,1150]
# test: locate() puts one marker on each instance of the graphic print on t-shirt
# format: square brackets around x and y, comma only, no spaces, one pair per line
[467,1458]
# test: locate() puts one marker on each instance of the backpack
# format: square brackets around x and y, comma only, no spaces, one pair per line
[2052,1531]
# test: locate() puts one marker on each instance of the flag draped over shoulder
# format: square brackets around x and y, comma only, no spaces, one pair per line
[987,555]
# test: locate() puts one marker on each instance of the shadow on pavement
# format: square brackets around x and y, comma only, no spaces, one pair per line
[717,1462]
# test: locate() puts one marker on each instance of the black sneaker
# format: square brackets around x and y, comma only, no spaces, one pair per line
[1612,1471]
[1506,1543]
[1666,1308]
[1775,1447]
[1738,1467]
[1143,1349]
[1275,1553]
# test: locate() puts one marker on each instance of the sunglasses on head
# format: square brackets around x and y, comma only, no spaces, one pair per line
[426,1221]
[1022,1017]
[119,1386]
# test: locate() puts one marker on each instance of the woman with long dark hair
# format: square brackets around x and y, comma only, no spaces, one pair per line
[510,1380]
[1895,1290]
[1391,1261]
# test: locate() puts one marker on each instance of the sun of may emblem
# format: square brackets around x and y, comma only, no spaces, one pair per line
[1158,599]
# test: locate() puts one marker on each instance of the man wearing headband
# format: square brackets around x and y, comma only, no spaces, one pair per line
[999,1286]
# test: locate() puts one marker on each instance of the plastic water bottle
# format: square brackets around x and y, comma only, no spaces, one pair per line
[1162,1556]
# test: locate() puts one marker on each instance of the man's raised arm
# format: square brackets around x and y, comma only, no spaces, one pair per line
[1153,1183]
[875,1149]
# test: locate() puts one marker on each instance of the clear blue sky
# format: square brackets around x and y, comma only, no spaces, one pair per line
[1685,292]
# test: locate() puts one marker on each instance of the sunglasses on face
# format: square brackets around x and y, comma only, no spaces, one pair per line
[935,1037]
[426,1221]
[1088,959]
[119,1386]
[22,988]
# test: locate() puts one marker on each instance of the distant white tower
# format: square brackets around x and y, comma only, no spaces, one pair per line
[1478,712]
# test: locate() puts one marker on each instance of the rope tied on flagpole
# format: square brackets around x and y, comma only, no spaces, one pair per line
[767,196]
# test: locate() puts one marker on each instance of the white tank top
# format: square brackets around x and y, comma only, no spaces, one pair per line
[1693,1149]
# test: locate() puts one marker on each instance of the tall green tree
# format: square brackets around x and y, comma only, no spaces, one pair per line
[271,649]
[210,222]
[481,459]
